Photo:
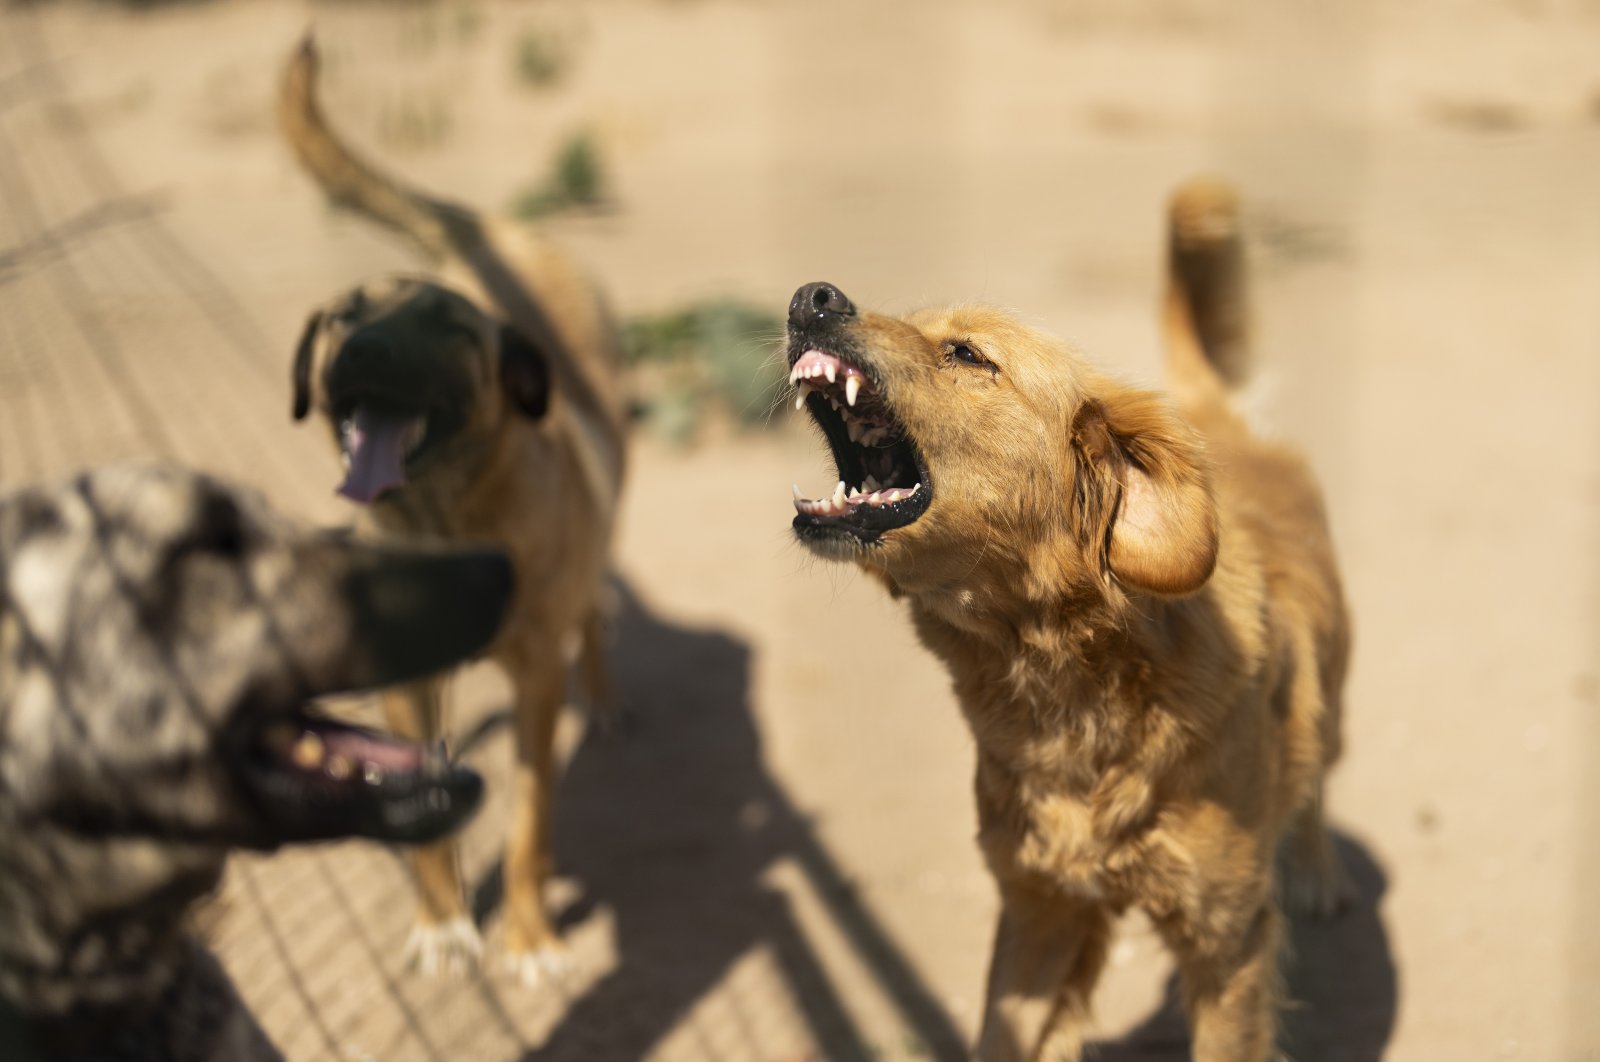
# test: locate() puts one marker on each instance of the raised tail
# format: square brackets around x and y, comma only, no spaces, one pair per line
[1206,317]
[349,180]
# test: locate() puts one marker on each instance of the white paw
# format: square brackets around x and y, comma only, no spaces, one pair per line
[550,964]
[452,948]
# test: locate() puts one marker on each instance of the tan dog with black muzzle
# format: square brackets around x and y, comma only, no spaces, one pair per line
[1138,603]
[479,407]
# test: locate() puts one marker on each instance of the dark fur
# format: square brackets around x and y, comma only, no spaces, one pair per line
[151,620]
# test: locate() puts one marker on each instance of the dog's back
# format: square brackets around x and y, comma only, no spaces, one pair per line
[1267,495]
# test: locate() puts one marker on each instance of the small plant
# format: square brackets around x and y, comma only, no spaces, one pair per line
[721,350]
[576,181]
[541,57]
[415,121]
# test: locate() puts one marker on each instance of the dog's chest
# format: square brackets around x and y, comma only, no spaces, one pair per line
[1078,807]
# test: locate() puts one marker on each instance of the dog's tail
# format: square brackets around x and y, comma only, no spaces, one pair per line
[433,225]
[1205,321]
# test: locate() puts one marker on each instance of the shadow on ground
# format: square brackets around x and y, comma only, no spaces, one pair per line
[1342,986]
[672,827]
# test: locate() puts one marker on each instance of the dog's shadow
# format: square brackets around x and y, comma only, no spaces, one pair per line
[1342,986]
[672,828]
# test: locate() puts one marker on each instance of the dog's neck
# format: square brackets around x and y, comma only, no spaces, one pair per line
[56,956]
[1070,666]
[195,1016]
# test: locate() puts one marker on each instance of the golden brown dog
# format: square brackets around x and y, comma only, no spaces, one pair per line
[480,406]
[1139,606]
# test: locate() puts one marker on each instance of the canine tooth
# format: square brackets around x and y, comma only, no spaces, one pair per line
[308,751]
[852,387]
[339,767]
[830,372]
[838,494]
[797,495]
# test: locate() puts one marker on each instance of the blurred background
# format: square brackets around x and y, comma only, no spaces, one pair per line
[775,861]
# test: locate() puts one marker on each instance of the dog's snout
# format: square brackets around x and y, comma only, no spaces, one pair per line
[819,302]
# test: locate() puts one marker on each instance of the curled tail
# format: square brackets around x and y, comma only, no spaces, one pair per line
[349,180]
[1205,322]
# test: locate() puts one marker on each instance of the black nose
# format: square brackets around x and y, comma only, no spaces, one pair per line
[818,301]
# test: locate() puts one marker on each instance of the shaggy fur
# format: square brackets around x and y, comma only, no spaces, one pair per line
[512,356]
[159,634]
[1139,607]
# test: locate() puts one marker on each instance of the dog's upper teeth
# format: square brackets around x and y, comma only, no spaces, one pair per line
[853,429]
[830,372]
[800,396]
[852,387]
[339,767]
[308,751]
[372,774]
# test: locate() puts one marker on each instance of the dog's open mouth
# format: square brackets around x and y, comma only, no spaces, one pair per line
[883,480]
[317,779]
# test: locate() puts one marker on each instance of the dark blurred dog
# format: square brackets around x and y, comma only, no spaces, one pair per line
[486,416]
[1138,603]
[160,635]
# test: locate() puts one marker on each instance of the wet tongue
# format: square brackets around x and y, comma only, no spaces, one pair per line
[375,448]
[363,747]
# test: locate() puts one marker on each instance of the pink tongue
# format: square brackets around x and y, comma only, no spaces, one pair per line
[375,446]
[362,747]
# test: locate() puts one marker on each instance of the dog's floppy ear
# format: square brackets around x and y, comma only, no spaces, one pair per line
[1144,493]
[524,373]
[301,373]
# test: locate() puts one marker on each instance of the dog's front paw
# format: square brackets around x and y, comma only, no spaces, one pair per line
[550,963]
[453,948]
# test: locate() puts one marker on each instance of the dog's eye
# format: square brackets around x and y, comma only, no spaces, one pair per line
[967,354]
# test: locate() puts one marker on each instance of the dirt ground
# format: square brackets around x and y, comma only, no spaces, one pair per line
[776,862]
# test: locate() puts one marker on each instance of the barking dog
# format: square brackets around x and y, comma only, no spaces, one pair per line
[482,408]
[1139,607]
[160,635]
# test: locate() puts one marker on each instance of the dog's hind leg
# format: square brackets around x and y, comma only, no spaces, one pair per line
[443,939]
[1312,882]
[533,950]
[608,714]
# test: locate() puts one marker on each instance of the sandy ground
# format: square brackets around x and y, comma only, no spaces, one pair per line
[777,862]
